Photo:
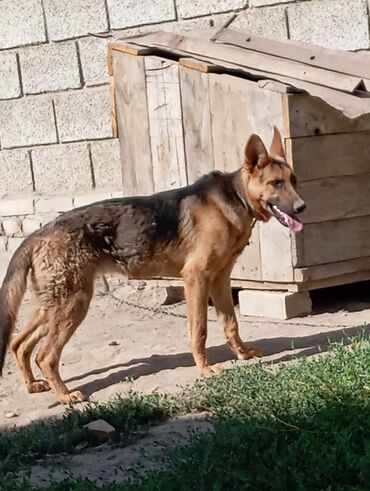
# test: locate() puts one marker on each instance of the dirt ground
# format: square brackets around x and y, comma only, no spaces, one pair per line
[127,342]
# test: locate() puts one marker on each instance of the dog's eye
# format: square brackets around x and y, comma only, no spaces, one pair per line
[278,184]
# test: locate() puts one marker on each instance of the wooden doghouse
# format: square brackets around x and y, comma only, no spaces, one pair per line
[185,105]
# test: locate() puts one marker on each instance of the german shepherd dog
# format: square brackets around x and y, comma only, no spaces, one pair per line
[195,232]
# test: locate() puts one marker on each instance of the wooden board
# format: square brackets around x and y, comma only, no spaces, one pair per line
[197,123]
[248,265]
[307,115]
[331,270]
[275,247]
[133,123]
[165,123]
[330,155]
[334,198]
[333,241]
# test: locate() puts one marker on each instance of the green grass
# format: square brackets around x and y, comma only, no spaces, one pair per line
[300,426]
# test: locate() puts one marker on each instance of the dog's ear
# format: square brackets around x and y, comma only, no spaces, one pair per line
[277,149]
[255,153]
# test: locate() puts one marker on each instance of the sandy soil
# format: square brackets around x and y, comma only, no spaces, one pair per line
[128,342]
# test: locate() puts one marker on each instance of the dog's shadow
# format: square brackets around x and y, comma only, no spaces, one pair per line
[139,367]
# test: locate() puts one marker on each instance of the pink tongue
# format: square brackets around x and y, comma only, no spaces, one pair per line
[293,223]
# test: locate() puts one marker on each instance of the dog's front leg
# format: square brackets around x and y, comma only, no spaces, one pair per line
[221,295]
[196,295]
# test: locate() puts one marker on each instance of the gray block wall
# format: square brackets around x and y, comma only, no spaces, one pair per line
[56,145]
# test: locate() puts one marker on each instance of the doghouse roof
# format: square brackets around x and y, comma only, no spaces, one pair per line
[340,78]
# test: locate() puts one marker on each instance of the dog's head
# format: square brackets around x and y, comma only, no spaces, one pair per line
[270,183]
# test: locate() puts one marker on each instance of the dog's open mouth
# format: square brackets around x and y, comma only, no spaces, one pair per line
[290,221]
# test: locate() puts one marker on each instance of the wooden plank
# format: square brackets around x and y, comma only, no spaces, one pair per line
[334,198]
[275,247]
[248,265]
[331,270]
[259,61]
[235,283]
[333,241]
[197,123]
[113,111]
[131,48]
[316,56]
[336,281]
[165,123]
[307,115]
[133,123]
[334,155]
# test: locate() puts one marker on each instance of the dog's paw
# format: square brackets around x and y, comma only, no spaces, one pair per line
[72,397]
[210,370]
[38,386]
[248,353]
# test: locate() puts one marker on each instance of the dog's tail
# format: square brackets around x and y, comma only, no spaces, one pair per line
[11,293]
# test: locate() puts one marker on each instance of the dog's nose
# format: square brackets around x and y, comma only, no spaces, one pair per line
[299,206]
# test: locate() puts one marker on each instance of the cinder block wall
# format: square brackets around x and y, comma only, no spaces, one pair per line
[56,145]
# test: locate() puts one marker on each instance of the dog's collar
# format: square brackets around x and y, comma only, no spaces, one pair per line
[243,202]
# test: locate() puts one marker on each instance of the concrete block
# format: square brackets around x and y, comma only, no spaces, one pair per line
[67,19]
[9,77]
[186,9]
[272,304]
[15,207]
[49,67]
[30,225]
[134,13]
[93,55]
[83,115]
[105,156]
[262,3]
[22,23]
[14,243]
[336,24]
[27,121]
[53,204]
[12,227]
[15,171]
[62,167]
[269,22]
[89,198]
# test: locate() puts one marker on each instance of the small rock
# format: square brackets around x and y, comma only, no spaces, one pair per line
[113,343]
[12,414]
[101,430]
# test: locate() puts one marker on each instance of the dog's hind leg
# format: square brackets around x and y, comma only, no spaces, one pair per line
[22,347]
[222,298]
[64,318]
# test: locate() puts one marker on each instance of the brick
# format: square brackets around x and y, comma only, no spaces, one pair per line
[50,67]
[9,77]
[105,156]
[261,3]
[336,24]
[67,19]
[88,198]
[15,207]
[275,305]
[93,54]
[269,22]
[22,23]
[83,115]
[12,227]
[30,225]
[53,204]
[134,13]
[188,9]
[62,167]
[15,171]
[14,243]
[27,121]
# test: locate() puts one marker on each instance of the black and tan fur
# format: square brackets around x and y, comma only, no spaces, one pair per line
[195,232]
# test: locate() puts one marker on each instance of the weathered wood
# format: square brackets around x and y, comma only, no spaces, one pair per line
[276,256]
[332,241]
[235,283]
[334,198]
[165,123]
[131,48]
[344,279]
[197,123]
[133,123]
[113,112]
[329,155]
[307,115]
[248,264]
[331,270]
